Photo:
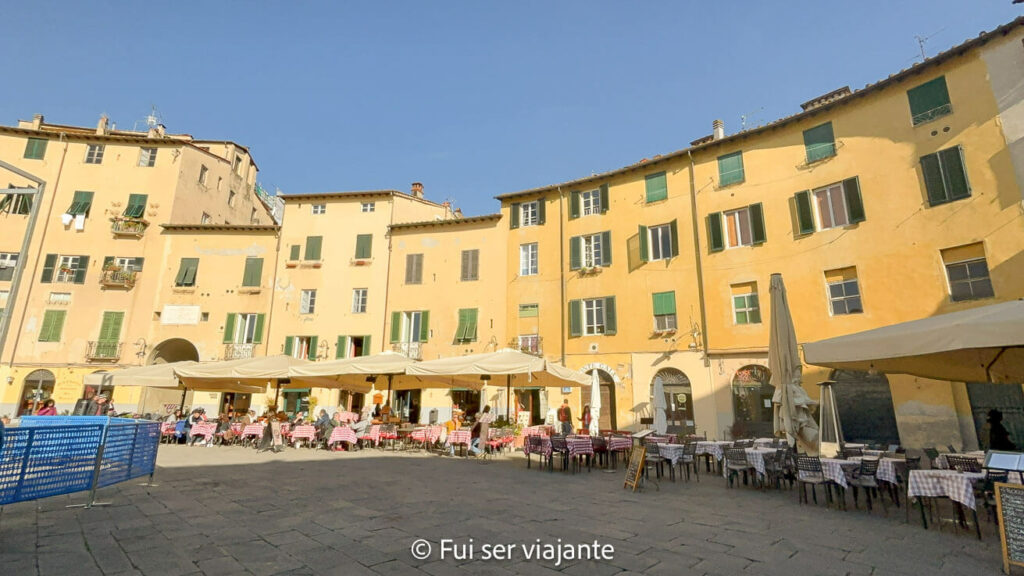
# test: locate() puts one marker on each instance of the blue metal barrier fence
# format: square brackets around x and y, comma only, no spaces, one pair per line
[37,461]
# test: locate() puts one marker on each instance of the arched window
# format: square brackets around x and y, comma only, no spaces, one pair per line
[678,400]
[38,388]
[752,402]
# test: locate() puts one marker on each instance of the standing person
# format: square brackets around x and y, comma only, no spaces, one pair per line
[565,417]
[480,430]
[49,408]
[586,419]
[998,435]
[99,406]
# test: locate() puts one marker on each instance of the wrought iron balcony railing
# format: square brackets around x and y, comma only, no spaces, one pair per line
[408,349]
[118,278]
[238,351]
[128,226]
[103,350]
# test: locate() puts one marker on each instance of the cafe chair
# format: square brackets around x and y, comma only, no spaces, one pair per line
[809,473]
[866,477]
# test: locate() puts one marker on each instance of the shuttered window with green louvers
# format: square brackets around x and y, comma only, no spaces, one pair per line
[136,206]
[819,142]
[187,270]
[945,176]
[929,101]
[253,275]
[81,203]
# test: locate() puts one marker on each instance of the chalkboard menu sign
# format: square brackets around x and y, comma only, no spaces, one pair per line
[636,466]
[1010,507]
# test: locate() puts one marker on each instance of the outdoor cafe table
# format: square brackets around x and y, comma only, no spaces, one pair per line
[619,443]
[538,430]
[545,446]
[303,433]
[372,434]
[580,445]
[832,469]
[764,443]
[978,455]
[427,434]
[755,456]
[342,434]
[345,416]
[459,437]
[713,448]
[205,429]
[886,468]
[957,486]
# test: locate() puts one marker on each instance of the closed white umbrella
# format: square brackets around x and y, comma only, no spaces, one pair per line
[660,423]
[595,403]
[792,417]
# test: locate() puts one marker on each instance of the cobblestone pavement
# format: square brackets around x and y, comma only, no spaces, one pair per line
[225,511]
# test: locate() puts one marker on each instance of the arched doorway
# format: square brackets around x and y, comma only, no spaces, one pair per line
[173,350]
[38,388]
[678,400]
[608,411]
[864,403]
[752,402]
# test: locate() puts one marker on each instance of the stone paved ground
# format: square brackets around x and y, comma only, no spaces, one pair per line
[225,511]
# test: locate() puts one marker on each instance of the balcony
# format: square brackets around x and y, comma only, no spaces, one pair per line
[128,226]
[118,278]
[104,351]
[238,351]
[408,349]
[532,345]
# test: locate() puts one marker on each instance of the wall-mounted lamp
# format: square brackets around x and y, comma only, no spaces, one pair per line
[10,380]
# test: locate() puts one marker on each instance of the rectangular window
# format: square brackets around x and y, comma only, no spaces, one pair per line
[62,298]
[945,176]
[253,275]
[592,251]
[245,328]
[136,206]
[664,311]
[470,265]
[203,174]
[8,261]
[94,153]
[656,187]
[746,309]
[929,101]
[319,209]
[35,148]
[301,347]
[593,316]
[529,310]
[967,272]
[16,203]
[308,302]
[529,213]
[742,227]
[730,168]
[410,326]
[359,300]
[126,263]
[528,259]
[206,219]
[53,325]
[591,201]
[831,207]
[81,203]
[364,246]
[843,291]
[737,228]
[313,247]
[237,164]
[529,343]
[367,207]
[231,198]
[352,346]
[252,217]
[466,332]
[69,268]
[187,270]
[110,334]
[661,242]
[414,268]
[819,142]
[147,157]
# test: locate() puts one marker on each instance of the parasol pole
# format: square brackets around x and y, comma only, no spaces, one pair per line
[508,395]
[389,390]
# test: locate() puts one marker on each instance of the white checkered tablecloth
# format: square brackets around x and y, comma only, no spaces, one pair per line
[345,416]
[756,458]
[978,455]
[886,467]
[764,443]
[671,452]
[459,437]
[957,486]
[714,448]
[832,468]
[342,434]
[619,443]
[579,445]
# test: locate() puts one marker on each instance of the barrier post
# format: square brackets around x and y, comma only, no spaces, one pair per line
[24,464]
[95,474]
[147,483]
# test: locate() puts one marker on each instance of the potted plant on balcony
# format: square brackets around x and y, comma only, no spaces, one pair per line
[111,267]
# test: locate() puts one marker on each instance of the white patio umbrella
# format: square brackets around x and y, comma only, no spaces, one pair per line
[359,373]
[792,415]
[595,403]
[247,375]
[660,423]
[152,376]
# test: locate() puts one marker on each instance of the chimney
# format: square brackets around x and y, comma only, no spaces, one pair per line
[417,189]
[718,129]
[161,130]
[37,121]
[458,213]
[101,126]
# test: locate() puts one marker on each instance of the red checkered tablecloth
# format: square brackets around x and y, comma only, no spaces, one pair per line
[252,430]
[372,434]
[167,428]
[342,434]
[538,430]
[545,445]
[429,434]
[304,433]
[207,429]
[579,445]
[619,443]
[459,437]
[345,416]
[957,486]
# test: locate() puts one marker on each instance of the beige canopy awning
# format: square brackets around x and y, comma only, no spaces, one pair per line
[523,370]
[983,344]
[153,376]
[361,374]
[246,375]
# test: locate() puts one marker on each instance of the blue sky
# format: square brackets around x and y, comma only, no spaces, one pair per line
[472,98]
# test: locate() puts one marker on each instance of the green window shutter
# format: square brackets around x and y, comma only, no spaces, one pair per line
[804,212]
[253,275]
[424,325]
[461,329]
[606,248]
[136,206]
[575,252]
[83,267]
[364,246]
[642,233]
[657,187]
[396,326]
[138,263]
[611,325]
[730,168]
[854,203]
[53,325]
[49,264]
[604,198]
[313,244]
[819,142]
[473,312]
[953,172]
[35,148]
[187,272]
[110,329]
[179,279]
[513,215]
[664,303]
[257,337]
[574,204]
[314,346]
[466,332]
[757,234]
[929,101]
[289,345]
[366,345]
[541,211]
[341,348]
[295,252]
[229,328]
[716,241]
[933,181]
[575,318]
[81,203]
[674,230]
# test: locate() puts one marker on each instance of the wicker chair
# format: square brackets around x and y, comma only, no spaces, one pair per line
[809,472]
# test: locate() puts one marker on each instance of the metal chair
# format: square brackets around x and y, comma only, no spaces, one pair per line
[809,472]
[866,477]
[688,461]
[962,463]
[736,463]
[932,455]
[852,453]
[561,449]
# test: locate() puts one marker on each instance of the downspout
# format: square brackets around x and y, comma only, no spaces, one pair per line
[273,286]
[561,272]
[387,278]
[39,251]
[697,259]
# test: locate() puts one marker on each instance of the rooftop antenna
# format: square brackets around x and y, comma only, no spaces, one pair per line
[751,116]
[152,120]
[922,39]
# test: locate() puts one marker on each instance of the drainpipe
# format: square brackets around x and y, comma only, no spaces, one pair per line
[697,258]
[273,286]
[387,277]
[561,272]
[37,199]
[39,251]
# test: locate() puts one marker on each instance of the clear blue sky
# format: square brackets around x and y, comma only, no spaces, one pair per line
[472,98]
